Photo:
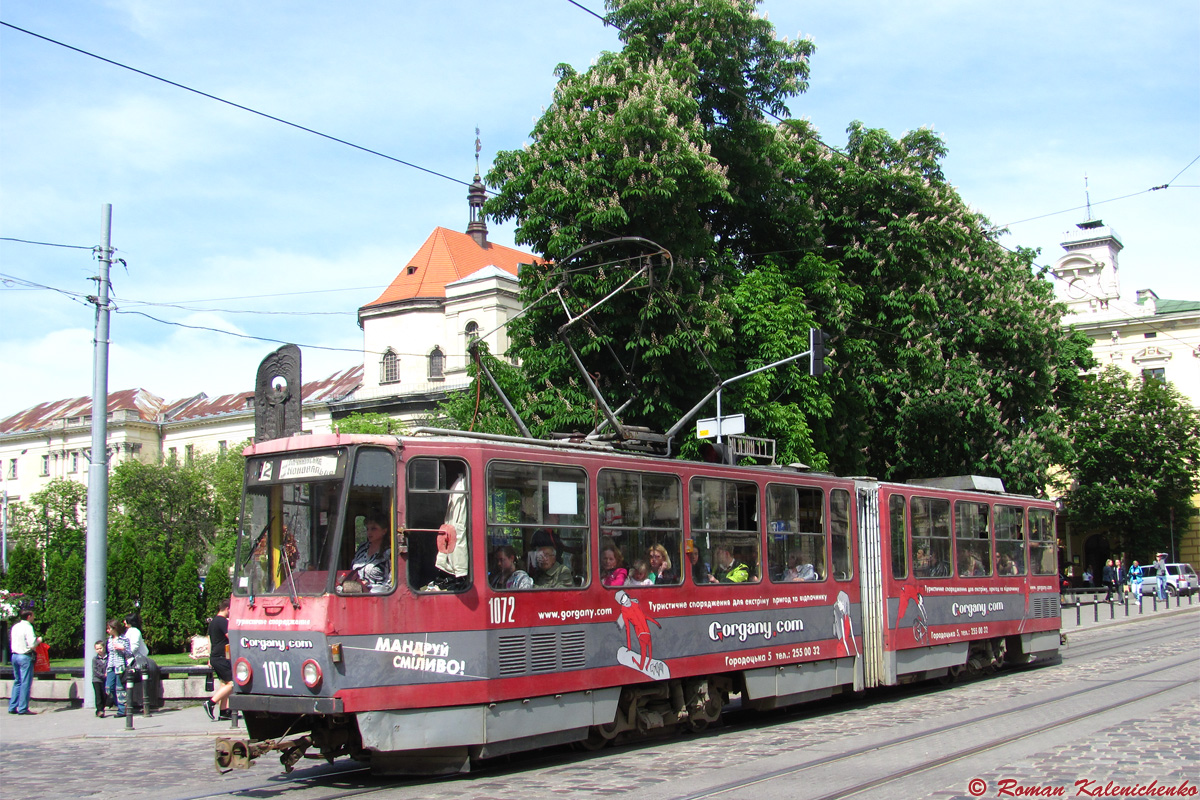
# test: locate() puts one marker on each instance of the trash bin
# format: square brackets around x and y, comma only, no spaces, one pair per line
[150,684]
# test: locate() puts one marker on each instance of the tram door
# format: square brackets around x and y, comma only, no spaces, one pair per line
[870,571]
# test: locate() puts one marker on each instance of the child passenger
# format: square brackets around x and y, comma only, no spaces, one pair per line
[99,672]
[639,574]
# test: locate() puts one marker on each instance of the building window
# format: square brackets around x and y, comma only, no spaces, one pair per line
[1152,335]
[12,469]
[437,365]
[189,451]
[222,447]
[1155,374]
[172,454]
[471,332]
[74,461]
[45,465]
[389,367]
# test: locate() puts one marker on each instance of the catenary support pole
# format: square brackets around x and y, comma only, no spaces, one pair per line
[96,572]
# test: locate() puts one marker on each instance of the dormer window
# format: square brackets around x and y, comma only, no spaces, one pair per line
[410,271]
[437,365]
[389,367]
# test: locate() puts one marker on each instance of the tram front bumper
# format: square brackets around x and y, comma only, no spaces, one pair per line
[276,704]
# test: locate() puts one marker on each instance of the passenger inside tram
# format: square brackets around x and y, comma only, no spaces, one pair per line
[550,573]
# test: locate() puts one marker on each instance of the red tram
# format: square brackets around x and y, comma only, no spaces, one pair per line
[508,607]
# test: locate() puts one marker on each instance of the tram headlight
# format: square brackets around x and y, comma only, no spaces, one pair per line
[311,672]
[242,673]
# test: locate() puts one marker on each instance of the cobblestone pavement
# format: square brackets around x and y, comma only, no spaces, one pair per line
[171,755]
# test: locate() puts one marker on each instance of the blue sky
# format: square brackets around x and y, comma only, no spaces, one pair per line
[211,203]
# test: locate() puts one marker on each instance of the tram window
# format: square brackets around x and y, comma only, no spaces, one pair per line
[540,512]
[640,521]
[286,539]
[366,560]
[839,531]
[725,534]
[897,519]
[972,531]
[795,533]
[930,537]
[436,499]
[1009,530]
[1042,556]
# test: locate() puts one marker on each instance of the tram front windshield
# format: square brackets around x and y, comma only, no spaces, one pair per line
[298,537]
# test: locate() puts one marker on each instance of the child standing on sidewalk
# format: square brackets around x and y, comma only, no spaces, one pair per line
[99,674]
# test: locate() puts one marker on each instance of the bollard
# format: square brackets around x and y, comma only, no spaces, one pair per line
[1095,611]
[1077,622]
[1125,602]
[128,699]
[145,692]
[1112,610]
[1155,602]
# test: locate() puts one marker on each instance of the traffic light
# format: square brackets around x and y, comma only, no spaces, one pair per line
[817,345]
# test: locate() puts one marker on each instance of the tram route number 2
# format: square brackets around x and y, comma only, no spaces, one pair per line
[278,674]
[501,609]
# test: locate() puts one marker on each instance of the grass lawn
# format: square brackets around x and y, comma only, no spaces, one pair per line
[162,659]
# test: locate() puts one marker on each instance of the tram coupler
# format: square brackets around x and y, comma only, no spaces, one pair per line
[231,754]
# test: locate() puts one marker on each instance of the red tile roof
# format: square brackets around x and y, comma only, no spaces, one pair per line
[336,387]
[152,408]
[448,256]
[148,406]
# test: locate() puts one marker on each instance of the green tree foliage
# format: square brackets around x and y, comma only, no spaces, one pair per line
[124,582]
[170,506]
[187,606]
[948,354]
[62,616]
[378,424]
[216,586]
[226,475]
[1137,461]
[155,608]
[47,563]
[25,574]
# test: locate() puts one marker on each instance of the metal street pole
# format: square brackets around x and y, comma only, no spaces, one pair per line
[96,575]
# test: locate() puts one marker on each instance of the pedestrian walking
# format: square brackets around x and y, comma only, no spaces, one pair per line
[22,642]
[1121,580]
[1135,581]
[1160,565]
[217,706]
[1109,578]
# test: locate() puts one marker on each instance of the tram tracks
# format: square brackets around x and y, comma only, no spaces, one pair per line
[948,730]
[357,782]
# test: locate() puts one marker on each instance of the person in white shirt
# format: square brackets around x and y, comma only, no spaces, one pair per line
[22,641]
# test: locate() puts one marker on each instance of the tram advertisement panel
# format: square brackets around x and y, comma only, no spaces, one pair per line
[636,631]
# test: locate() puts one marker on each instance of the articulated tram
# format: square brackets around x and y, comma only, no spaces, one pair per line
[423,601]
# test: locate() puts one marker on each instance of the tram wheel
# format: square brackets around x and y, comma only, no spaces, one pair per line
[599,736]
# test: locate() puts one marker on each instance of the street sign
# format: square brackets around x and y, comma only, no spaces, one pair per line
[729,426]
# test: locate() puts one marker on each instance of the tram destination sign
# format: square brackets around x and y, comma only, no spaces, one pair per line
[270,470]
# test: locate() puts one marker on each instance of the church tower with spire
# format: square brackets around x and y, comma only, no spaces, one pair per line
[455,287]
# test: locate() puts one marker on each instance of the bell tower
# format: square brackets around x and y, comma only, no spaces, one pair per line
[1088,270]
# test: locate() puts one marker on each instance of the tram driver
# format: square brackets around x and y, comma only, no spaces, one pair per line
[372,562]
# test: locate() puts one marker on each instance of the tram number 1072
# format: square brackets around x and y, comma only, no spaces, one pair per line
[501,609]
[278,674]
